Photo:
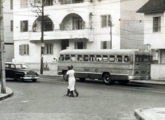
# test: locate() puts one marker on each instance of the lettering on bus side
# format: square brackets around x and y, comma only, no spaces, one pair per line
[96,58]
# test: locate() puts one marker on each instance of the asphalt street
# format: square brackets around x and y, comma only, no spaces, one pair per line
[46,100]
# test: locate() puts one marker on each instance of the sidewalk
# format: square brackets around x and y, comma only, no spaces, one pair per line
[9,93]
[153,82]
[150,114]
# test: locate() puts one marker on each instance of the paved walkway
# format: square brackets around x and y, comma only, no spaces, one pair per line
[8,93]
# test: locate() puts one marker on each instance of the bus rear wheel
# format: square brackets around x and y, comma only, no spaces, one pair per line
[107,78]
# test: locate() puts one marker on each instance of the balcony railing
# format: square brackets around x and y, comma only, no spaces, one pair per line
[61,35]
[71,1]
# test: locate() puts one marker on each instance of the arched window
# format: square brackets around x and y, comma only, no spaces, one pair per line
[72,22]
[47,24]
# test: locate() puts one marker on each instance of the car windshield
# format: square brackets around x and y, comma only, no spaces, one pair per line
[21,66]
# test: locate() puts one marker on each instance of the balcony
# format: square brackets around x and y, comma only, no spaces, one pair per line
[61,35]
[70,1]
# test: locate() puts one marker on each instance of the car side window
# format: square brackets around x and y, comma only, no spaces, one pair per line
[6,66]
[12,66]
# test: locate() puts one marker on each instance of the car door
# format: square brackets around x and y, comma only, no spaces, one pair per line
[10,68]
[7,70]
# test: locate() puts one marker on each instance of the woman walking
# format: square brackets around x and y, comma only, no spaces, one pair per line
[71,80]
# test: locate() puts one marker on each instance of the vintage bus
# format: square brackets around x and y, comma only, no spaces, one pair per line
[107,65]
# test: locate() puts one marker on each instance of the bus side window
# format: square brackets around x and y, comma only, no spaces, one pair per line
[105,58]
[98,58]
[126,58]
[91,58]
[85,57]
[73,58]
[119,58]
[80,58]
[112,58]
[67,57]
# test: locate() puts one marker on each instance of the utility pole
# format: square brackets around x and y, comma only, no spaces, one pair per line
[110,26]
[41,15]
[2,60]
[42,36]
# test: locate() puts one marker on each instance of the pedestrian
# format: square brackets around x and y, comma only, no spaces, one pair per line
[68,90]
[71,82]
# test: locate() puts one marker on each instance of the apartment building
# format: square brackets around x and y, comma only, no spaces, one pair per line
[73,24]
[8,29]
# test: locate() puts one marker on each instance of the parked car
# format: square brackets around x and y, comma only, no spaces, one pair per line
[19,72]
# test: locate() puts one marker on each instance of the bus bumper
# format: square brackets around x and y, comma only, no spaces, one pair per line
[138,77]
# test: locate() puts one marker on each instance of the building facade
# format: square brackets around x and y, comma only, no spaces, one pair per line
[154,37]
[8,29]
[73,24]
[131,25]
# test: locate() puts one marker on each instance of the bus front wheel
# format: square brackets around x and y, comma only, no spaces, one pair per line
[107,78]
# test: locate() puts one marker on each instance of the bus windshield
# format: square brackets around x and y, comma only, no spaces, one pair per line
[143,58]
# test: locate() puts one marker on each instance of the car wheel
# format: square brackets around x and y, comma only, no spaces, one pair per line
[34,80]
[107,78]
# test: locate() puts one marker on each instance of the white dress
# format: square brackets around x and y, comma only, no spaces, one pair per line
[71,79]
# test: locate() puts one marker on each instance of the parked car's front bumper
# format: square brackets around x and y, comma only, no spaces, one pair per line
[29,77]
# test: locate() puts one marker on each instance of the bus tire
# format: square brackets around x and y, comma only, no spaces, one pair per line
[107,78]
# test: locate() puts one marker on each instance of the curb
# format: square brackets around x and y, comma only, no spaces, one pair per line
[150,114]
[151,82]
[9,94]
[138,116]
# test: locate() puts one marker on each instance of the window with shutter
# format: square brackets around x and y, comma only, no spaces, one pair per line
[24,3]
[24,26]
[156,24]
[24,49]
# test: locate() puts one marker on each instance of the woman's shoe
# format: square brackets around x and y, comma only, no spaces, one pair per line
[77,94]
[68,91]
[71,94]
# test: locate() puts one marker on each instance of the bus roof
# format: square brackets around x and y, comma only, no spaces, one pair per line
[90,52]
